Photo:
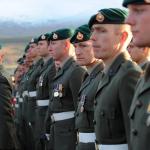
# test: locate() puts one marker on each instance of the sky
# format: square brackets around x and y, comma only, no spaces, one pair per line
[41,10]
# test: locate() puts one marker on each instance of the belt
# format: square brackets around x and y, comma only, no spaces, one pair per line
[44,102]
[25,93]
[113,147]
[62,116]
[20,100]
[86,137]
[32,94]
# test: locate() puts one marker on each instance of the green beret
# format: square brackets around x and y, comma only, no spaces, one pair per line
[26,48]
[108,16]
[43,37]
[61,34]
[81,34]
[20,61]
[34,41]
[127,2]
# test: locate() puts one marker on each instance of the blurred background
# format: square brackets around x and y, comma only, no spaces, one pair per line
[23,19]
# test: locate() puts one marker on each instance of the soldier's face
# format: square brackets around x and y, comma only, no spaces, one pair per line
[1,57]
[139,19]
[57,49]
[43,48]
[84,53]
[105,41]
[136,53]
[33,50]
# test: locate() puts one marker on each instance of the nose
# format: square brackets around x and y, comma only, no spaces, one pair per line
[38,47]
[130,19]
[77,51]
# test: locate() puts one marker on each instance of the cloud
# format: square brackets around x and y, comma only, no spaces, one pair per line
[40,10]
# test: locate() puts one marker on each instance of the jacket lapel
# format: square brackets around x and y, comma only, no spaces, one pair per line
[104,81]
[85,84]
[145,86]
[97,69]
[65,67]
[106,77]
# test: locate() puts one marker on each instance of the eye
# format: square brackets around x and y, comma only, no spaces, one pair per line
[138,10]
[92,30]
[83,45]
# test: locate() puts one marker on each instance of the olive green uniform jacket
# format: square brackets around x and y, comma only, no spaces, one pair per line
[140,116]
[8,138]
[85,112]
[44,88]
[113,100]
[67,83]
[31,86]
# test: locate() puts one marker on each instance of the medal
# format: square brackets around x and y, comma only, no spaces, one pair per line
[60,88]
[60,95]
[52,118]
[83,97]
[56,94]
[148,108]
[81,109]
[148,121]
[41,81]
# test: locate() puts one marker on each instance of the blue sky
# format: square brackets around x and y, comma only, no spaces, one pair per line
[42,10]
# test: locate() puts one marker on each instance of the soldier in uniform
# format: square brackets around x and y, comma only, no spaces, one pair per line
[139,19]
[30,105]
[21,125]
[31,88]
[44,87]
[85,111]
[110,37]
[8,138]
[141,55]
[18,74]
[19,110]
[63,100]
[26,127]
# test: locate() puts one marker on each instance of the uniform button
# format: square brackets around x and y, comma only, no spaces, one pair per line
[94,122]
[138,103]
[134,132]
[95,102]
[102,113]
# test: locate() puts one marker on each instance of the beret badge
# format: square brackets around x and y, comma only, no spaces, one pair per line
[43,37]
[79,36]
[55,36]
[32,40]
[99,17]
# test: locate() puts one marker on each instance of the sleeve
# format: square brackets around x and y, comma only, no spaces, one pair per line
[47,122]
[75,83]
[126,93]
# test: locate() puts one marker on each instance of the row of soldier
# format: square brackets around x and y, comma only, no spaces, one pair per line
[89,102]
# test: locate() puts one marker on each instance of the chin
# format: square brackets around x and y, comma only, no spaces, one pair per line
[80,63]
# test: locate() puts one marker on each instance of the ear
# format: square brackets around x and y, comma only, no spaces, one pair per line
[1,57]
[146,50]
[67,44]
[123,37]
